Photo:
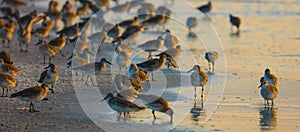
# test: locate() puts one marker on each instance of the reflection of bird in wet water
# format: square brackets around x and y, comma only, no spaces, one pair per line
[157,103]
[268,119]
[268,92]
[235,21]
[198,78]
[49,76]
[7,81]
[271,78]
[121,105]
[192,22]
[153,64]
[211,57]
[32,95]
[197,110]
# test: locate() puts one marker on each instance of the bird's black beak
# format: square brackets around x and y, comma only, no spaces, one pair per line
[47,67]
[108,62]
[260,85]
[190,70]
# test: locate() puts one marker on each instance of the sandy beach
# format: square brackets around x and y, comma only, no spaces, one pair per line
[269,38]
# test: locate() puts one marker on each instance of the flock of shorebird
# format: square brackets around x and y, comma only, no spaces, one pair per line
[148,17]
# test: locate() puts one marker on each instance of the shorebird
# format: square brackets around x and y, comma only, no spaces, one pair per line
[157,103]
[131,30]
[71,31]
[6,57]
[24,33]
[268,92]
[44,30]
[192,22]
[198,78]
[114,32]
[136,74]
[6,31]
[92,68]
[7,81]
[163,10]
[32,95]
[123,58]
[155,20]
[205,8]
[83,10]
[69,18]
[121,105]
[235,21]
[8,68]
[271,78]
[170,40]
[152,45]
[153,64]
[46,49]
[67,7]
[24,20]
[59,43]
[54,13]
[173,53]
[130,22]
[211,57]
[49,76]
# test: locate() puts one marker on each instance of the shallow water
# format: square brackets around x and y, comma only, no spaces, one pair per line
[269,37]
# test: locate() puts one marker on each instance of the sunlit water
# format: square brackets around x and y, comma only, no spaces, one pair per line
[269,37]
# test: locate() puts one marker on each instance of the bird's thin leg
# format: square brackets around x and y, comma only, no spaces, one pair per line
[152,76]
[92,81]
[202,91]
[195,92]
[153,113]
[51,89]
[213,68]
[120,68]
[30,107]
[8,44]
[49,59]
[20,46]
[272,104]
[26,50]
[231,29]
[209,66]
[87,79]
[44,59]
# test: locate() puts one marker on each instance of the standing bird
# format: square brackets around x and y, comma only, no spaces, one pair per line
[43,31]
[114,32]
[268,92]
[121,105]
[131,22]
[8,68]
[7,81]
[92,68]
[198,78]
[152,45]
[6,31]
[24,33]
[153,64]
[136,74]
[6,57]
[32,94]
[211,57]
[205,8]
[174,54]
[123,58]
[49,76]
[192,22]
[59,43]
[170,40]
[46,49]
[156,103]
[235,21]
[154,21]
[271,78]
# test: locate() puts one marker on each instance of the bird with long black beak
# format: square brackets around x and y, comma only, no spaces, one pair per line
[94,68]
[268,92]
[49,76]
[198,78]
